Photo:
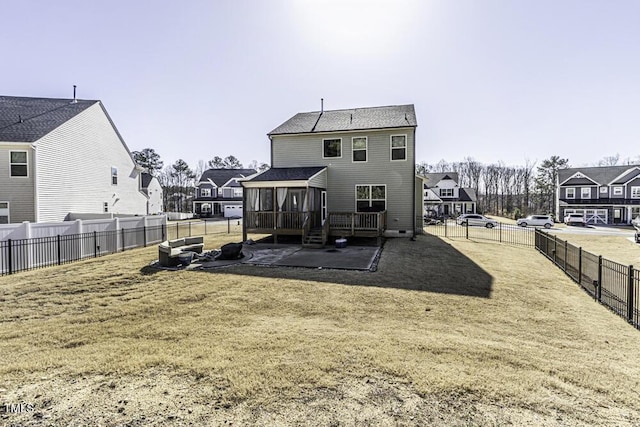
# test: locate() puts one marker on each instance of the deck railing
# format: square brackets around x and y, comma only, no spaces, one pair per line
[358,221]
[337,221]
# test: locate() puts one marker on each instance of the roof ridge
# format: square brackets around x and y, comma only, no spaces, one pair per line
[358,108]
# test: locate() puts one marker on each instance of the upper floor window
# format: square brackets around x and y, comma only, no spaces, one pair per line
[398,147]
[205,192]
[19,166]
[617,191]
[585,193]
[332,148]
[604,190]
[571,193]
[635,192]
[227,192]
[4,212]
[359,147]
[237,192]
[105,207]
[114,176]
[371,198]
[446,192]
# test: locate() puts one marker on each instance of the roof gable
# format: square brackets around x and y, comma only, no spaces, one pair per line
[220,177]
[432,179]
[395,116]
[627,176]
[600,174]
[579,178]
[25,119]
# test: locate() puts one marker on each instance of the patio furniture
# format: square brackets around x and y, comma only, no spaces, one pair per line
[170,250]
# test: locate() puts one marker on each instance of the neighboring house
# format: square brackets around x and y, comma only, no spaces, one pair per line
[340,173]
[63,156]
[443,195]
[218,193]
[604,195]
[152,188]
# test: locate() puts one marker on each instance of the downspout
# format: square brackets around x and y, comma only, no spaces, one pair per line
[35,184]
[413,196]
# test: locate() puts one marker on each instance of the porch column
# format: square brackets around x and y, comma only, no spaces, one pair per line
[274,202]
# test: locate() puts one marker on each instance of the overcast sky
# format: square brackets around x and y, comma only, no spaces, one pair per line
[494,80]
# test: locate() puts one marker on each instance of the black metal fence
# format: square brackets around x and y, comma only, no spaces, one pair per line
[615,285]
[504,233]
[28,254]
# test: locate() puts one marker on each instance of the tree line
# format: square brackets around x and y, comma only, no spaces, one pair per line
[178,180]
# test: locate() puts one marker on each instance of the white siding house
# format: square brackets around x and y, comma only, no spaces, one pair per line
[76,161]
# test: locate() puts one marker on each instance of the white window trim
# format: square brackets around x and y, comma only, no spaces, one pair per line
[355,194]
[331,139]
[366,149]
[237,192]
[618,191]
[571,195]
[582,193]
[202,190]
[447,190]
[604,190]
[406,151]
[114,175]
[26,164]
[8,208]
[635,189]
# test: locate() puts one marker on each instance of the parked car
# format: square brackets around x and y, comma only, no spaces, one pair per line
[536,221]
[574,219]
[476,219]
[636,222]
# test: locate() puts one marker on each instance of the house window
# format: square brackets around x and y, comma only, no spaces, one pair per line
[585,193]
[105,207]
[604,190]
[635,192]
[371,198]
[446,192]
[359,147]
[237,192]
[205,192]
[19,165]
[114,176]
[571,193]
[4,212]
[227,192]
[398,147]
[617,191]
[332,148]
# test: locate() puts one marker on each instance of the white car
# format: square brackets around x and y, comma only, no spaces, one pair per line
[476,219]
[536,221]
[574,219]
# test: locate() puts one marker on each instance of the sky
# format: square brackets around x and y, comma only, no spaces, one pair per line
[511,81]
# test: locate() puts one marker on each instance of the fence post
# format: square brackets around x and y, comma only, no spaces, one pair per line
[205,227]
[599,290]
[466,229]
[630,295]
[144,235]
[10,260]
[580,265]
[445,227]
[122,232]
[189,228]
[500,231]
[95,244]
[566,253]
[59,249]
[555,249]
[164,232]
[177,231]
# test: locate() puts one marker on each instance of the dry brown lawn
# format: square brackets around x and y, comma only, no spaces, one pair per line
[445,332]
[615,248]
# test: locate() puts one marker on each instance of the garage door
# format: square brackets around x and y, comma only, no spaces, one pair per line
[591,216]
[231,211]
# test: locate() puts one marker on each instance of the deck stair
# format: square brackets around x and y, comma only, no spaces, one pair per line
[313,239]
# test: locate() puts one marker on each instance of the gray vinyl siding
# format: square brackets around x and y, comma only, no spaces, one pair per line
[18,191]
[74,170]
[633,183]
[319,181]
[343,174]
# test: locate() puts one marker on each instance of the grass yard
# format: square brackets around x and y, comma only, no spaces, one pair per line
[445,332]
[615,248]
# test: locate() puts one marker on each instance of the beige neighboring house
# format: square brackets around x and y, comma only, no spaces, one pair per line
[339,173]
[153,190]
[60,157]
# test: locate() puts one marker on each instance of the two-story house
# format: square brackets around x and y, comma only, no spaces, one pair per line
[340,173]
[444,196]
[63,156]
[218,193]
[604,195]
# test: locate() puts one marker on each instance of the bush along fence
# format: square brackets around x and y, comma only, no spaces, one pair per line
[615,285]
[504,233]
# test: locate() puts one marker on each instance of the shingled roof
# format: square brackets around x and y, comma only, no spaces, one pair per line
[29,119]
[393,116]
[603,175]
[288,174]
[221,176]
[432,179]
